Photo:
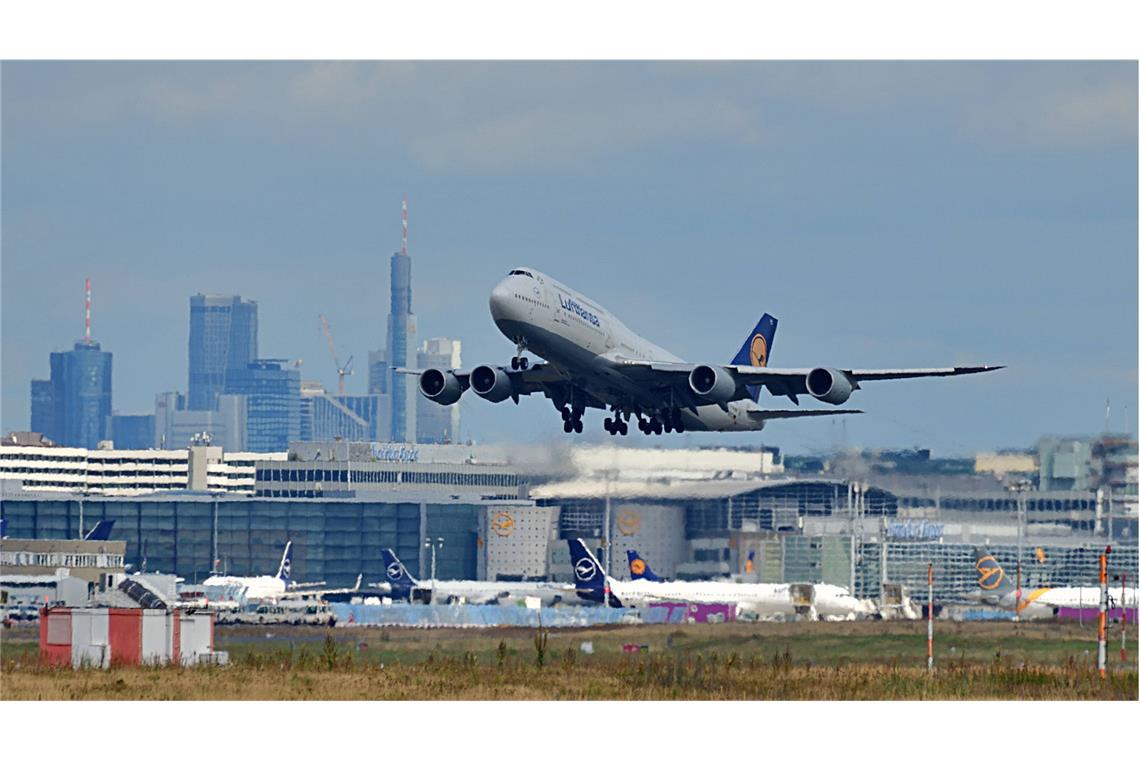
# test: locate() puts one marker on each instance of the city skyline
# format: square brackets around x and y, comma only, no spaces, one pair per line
[889,214]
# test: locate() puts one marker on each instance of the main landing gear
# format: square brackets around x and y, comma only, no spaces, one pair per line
[571,419]
[667,421]
[616,425]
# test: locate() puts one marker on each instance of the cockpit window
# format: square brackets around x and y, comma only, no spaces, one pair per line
[520,271]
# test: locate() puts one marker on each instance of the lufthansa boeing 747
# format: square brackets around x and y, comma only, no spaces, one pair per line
[592,360]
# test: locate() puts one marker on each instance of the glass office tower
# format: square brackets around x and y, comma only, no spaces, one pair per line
[223,337]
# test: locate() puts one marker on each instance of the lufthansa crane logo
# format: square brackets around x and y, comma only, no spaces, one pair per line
[287,568]
[990,573]
[637,566]
[503,524]
[758,351]
[584,569]
[628,522]
[394,571]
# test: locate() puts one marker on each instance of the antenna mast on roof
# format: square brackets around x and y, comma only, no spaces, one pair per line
[404,235]
[87,311]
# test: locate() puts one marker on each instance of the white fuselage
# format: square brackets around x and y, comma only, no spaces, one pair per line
[252,588]
[484,592]
[828,601]
[1043,602]
[587,343]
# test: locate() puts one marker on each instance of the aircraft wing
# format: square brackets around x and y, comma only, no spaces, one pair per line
[791,382]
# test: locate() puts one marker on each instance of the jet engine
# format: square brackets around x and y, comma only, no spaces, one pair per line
[829,385]
[492,383]
[441,387]
[713,383]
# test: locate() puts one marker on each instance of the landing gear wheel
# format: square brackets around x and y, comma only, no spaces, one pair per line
[578,425]
[623,429]
[565,413]
[523,362]
[607,423]
[514,362]
[568,426]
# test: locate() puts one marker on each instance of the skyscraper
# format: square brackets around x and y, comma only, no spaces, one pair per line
[223,337]
[272,391]
[437,423]
[402,342]
[73,407]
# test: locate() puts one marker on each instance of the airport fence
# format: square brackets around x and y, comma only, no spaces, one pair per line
[480,615]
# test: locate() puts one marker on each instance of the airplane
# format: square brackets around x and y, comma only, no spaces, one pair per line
[595,361]
[404,585]
[998,590]
[827,600]
[277,586]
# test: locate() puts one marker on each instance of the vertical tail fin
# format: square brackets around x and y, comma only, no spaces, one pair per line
[589,576]
[991,576]
[398,576]
[101,531]
[750,563]
[639,568]
[285,571]
[3,528]
[757,348]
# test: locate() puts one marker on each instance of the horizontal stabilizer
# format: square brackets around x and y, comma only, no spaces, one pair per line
[783,414]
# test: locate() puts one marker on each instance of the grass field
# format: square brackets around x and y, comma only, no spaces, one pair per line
[788,661]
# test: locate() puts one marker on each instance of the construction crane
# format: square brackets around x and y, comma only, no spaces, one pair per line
[341,371]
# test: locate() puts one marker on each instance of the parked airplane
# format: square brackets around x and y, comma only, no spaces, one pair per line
[997,589]
[595,361]
[828,600]
[276,586]
[405,586]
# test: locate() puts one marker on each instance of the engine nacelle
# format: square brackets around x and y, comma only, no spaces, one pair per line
[441,387]
[492,383]
[712,383]
[829,385]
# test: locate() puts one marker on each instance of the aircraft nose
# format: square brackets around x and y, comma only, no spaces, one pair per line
[501,301]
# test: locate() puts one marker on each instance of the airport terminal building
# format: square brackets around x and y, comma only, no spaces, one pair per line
[504,516]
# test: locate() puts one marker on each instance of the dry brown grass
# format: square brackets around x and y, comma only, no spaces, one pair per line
[780,661]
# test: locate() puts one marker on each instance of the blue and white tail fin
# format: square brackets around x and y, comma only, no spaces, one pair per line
[589,576]
[397,575]
[639,568]
[285,571]
[757,348]
[101,531]
[3,528]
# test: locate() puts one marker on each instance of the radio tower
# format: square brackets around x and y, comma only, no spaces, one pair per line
[87,312]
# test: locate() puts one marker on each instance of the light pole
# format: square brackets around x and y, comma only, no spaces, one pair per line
[429,544]
[1018,489]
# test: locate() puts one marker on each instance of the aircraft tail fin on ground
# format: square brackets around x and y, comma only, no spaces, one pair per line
[398,576]
[639,568]
[3,528]
[757,348]
[991,576]
[101,531]
[589,576]
[285,571]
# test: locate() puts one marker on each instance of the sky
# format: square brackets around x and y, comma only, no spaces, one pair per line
[889,214]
